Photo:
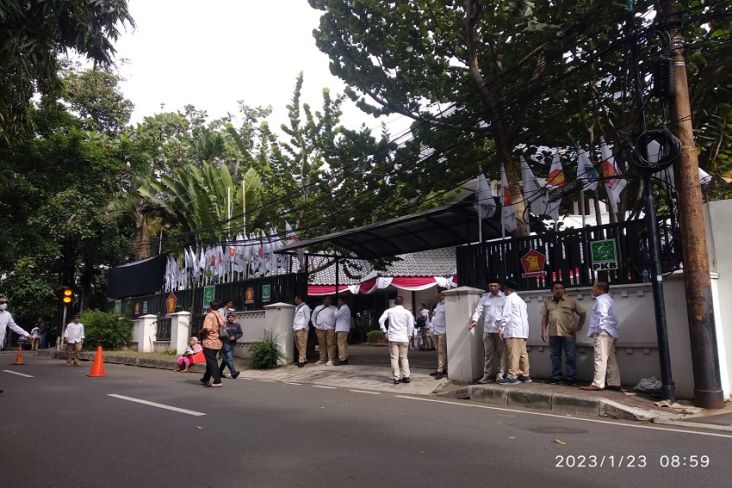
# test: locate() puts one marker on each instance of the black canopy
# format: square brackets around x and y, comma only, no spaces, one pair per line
[137,278]
[449,225]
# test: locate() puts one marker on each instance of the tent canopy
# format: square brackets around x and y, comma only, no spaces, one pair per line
[448,225]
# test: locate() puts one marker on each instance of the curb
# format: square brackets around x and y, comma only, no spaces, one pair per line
[559,403]
[130,361]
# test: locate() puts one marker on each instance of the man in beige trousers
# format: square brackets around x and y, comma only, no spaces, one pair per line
[604,331]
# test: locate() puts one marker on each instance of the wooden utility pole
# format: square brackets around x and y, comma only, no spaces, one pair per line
[697,281]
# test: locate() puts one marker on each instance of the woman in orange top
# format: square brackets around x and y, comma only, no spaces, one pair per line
[212,344]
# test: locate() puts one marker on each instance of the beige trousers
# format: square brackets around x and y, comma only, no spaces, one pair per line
[326,345]
[398,355]
[342,339]
[301,343]
[495,355]
[517,357]
[605,363]
[72,352]
[441,346]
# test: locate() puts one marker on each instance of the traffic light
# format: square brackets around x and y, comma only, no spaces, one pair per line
[67,296]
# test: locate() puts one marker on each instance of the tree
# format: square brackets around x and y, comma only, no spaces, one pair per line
[96,96]
[32,36]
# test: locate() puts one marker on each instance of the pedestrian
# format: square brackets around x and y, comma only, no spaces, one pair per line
[514,329]
[43,331]
[74,337]
[324,321]
[185,361]
[300,327]
[212,343]
[234,333]
[227,305]
[559,327]
[490,306]
[401,327]
[423,326]
[439,331]
[6,320]
[35,337]
[343,328]
[604,331]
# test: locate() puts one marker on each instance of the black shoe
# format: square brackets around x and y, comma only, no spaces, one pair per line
[439,376]
[435,373]
[342,363]
[300,365]
[525,379]
[235,375]
[555,381]
[613,387]
[396,381]
[406,380]
[203,381]
[570,382]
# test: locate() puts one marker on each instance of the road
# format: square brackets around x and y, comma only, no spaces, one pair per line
[61,428]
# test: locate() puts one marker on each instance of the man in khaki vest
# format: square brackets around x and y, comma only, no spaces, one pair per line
[559,326]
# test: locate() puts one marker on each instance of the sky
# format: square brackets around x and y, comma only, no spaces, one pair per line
[213,53]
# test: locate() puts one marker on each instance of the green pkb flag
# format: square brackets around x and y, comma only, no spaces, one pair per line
[209,293]
[604,255]
[266,293]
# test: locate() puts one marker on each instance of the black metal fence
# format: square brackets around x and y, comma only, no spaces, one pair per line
[163,329]
[567,256]
[281,288]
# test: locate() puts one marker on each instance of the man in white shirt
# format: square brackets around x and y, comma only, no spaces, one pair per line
[6,320]
[343,327]
[514,329]
[324,321]
[401,327]
[491,307]
[300,327]
[439,331]
[74,337]
[604,331]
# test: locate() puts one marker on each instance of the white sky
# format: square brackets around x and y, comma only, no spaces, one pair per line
[212,53]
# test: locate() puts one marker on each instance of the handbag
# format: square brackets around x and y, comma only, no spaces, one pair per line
[223,331]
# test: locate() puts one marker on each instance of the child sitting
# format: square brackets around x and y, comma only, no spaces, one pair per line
[186,360]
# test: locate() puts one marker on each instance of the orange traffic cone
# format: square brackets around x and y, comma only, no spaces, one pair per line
[19,357]
[97,368]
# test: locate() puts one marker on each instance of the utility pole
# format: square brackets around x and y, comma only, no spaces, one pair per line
[697,281]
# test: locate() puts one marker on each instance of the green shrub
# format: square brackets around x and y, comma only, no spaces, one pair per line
[375,336]
[265,354]
[170,352]
[106,329]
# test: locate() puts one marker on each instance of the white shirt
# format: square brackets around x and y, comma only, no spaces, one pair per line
[343,319]
[74,333]
[514,320]
[439,323]
[491,306]
[302,317]
[324,317]
[401,324]
[604,318]
[6,320]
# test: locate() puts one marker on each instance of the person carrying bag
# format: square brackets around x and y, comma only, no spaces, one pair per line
[212,344]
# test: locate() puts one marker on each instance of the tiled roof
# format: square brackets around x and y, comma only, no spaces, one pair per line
[351,272]
[435,262]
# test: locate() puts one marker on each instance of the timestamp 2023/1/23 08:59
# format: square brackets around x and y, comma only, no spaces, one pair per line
[631,461]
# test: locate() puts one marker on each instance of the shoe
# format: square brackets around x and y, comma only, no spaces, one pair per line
[591,388]
[213,385]
[613,387]
[569,383]
[555,381]
[509,381]
[221,374]
[439,376]
[342,363]
[68,364]
[486,379]
[525,379]
[396,381]
[329,363]
[300,365]
[406,380]
[435,373]
[319,363]
[203,381]
[235,375]
[77,364]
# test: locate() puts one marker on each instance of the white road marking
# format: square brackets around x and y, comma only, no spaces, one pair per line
[324,387]
[367,392]
[614,424]
[291,383]
[157,405]
[19,374]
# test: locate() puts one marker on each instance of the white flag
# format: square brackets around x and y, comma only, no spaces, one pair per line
[586,172]
[614,184]
[554,183]
[508,217]
[484,197]
[533,195]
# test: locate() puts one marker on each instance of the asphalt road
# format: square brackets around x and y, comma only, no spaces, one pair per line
[61,428]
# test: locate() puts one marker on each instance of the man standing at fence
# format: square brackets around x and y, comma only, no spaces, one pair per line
[300,327]
[401,328]
[439,331]
[324,321]
[491,307]
[343,327]
[514,329]
[74,337]
[604,331]
[558,326]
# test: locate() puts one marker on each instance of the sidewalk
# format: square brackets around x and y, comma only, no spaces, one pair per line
[368,375]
